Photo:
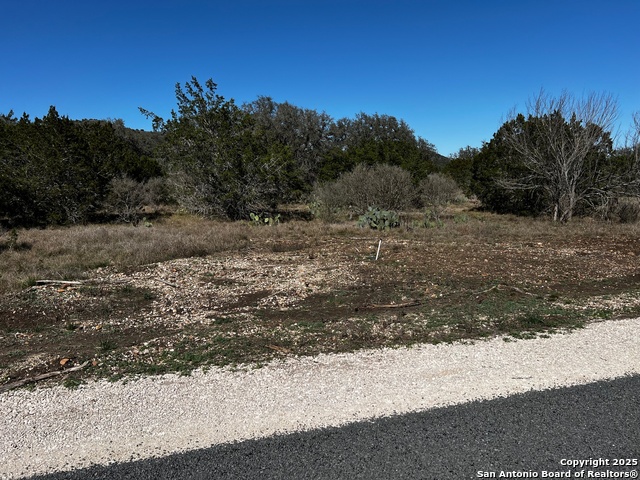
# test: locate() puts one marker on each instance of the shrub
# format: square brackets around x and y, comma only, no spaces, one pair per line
[326,201]
[436,192]
[386,187]
[628,210]
[126,197]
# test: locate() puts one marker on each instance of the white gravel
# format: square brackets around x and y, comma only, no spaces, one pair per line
[53,429]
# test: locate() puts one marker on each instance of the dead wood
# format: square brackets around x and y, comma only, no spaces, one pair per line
[393,305]
[167,283]
[24,381]
[505,287]
[278,349]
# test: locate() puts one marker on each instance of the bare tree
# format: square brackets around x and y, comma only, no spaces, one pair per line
[562,144]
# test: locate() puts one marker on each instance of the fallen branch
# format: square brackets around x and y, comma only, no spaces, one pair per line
[24,381]
[487,290]
[57,282]
[505,287]
[278,349]
[519,290]
[167,283]
[394,305]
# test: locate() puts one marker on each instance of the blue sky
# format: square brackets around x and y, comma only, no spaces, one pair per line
[451,69]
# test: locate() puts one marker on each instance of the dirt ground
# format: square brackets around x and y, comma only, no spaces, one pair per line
[304,294]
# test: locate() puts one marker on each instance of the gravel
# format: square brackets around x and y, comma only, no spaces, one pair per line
[56,429]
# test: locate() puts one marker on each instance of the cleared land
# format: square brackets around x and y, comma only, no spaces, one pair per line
[188,293]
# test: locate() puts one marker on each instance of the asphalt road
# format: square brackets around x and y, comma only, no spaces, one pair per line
[530,433]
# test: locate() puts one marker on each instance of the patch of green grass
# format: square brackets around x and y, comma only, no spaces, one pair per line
[107,345]
[39,328]
[311,326]
[601,313]
[30,281]
[73,383]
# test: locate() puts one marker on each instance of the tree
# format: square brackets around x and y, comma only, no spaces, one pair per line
[460,167]
[304,132]
[216,159]
[634,138]
[563,146]
[378,139]
[490,166]
[54,179]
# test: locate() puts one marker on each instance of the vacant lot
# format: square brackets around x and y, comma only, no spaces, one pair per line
[188,293]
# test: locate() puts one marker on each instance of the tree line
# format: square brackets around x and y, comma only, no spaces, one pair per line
[54,170]
[229,160]
[216,158]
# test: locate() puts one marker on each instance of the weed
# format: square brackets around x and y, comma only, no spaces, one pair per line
[532,320]
[311,326]
[223,320]
[148,295]
[73,383]
[264,219]
[39,328]
[28,282]
[106,346]
[602,313]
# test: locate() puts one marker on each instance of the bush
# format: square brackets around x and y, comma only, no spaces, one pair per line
[386,187]
[628,210]
[436,192]
[126,197]
[326,201]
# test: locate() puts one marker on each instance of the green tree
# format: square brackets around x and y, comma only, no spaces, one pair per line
[216,161]
[494,162]
[553,163]
[53,178]
[378,139]
[55,170]
[305,133]
[460,167]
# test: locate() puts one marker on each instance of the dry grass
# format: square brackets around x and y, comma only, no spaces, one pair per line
[483,227]
[70,253]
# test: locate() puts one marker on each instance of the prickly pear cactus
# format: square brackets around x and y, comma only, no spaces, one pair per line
[379,219]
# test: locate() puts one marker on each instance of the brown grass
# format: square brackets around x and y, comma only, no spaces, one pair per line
[69,253]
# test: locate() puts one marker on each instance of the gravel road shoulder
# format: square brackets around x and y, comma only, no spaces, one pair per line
[54,429]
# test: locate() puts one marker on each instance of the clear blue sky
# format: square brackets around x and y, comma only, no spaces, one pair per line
[451,69]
